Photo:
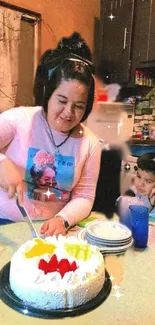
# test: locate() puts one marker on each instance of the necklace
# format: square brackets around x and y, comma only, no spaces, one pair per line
[57,146]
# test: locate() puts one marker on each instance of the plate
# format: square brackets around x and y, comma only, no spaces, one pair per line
[105,249]
[10,299]
[108,242]
[105,244]
[108,230]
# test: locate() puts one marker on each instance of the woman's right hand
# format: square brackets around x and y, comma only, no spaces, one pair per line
[11,179]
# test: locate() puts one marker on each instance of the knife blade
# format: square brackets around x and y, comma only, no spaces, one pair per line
[27,218]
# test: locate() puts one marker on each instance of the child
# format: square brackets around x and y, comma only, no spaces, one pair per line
[142,192]
[144,185]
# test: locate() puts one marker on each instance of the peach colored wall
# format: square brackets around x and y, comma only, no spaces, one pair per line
[63,17]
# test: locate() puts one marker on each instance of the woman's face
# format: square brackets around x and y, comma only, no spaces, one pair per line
[67,105]
[144,182]
[47,177]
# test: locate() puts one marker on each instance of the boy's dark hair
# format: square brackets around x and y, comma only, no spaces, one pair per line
[146,162]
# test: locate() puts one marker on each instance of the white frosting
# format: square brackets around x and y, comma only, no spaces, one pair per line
[51,290]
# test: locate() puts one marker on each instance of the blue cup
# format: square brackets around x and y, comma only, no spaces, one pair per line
[126,219]
[123,204]
[140,225]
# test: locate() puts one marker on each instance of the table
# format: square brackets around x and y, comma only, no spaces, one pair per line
[134,273]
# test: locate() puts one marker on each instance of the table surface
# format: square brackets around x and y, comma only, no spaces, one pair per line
[134,273]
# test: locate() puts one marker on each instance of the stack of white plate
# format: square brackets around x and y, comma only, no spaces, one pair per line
[110,236]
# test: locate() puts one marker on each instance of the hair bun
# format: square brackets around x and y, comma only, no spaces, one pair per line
[75,44]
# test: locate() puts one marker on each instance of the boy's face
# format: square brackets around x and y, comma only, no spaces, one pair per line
[144,182]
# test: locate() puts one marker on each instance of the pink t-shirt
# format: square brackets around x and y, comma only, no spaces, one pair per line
[70,174]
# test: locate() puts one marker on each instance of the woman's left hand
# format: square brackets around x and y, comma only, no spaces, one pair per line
[53,226]
[152,197]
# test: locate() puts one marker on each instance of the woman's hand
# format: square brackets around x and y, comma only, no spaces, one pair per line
[152,197]
[53,226]
[11,179]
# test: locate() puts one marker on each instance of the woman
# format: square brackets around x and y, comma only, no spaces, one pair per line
[52,134]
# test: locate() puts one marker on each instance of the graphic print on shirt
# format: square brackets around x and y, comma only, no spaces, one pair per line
[45,171]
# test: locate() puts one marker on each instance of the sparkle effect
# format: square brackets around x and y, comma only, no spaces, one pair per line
[117,294]
[127,167]
[111,278]
[111,16]
[115,287]
[48,193]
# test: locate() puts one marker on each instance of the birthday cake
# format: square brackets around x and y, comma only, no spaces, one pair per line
[56,273]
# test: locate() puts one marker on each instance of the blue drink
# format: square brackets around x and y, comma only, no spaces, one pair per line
[140,220]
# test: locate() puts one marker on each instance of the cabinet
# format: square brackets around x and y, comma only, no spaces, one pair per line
[116,37]
[151,47]
[134,27]
[143,45]
[144,32]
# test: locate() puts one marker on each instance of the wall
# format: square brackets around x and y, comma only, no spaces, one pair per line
[62,17]
[25,65]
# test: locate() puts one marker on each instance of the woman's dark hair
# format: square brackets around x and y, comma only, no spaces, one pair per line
[75,44]
[39,80]
[64,63]
[146,162]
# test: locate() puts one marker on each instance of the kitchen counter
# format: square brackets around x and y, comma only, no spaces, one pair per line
[133,273]
[142,142]
[139,147]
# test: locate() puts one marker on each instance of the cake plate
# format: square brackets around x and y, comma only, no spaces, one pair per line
[10,299]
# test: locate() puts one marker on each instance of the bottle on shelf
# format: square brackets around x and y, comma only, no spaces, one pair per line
[137,77]
[144,78]
[141,78]
[145,83]
[145,131]
[147,79]
[152,83]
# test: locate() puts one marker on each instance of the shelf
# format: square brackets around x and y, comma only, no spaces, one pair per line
[142,142]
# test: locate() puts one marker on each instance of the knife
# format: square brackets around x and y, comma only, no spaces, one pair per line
[27,218]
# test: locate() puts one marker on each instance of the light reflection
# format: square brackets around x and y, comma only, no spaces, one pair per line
[25,311]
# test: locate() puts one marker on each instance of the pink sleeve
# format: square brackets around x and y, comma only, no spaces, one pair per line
[7,129]
[83,194]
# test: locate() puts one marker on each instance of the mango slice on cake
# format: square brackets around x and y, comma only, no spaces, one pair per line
[40,248]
